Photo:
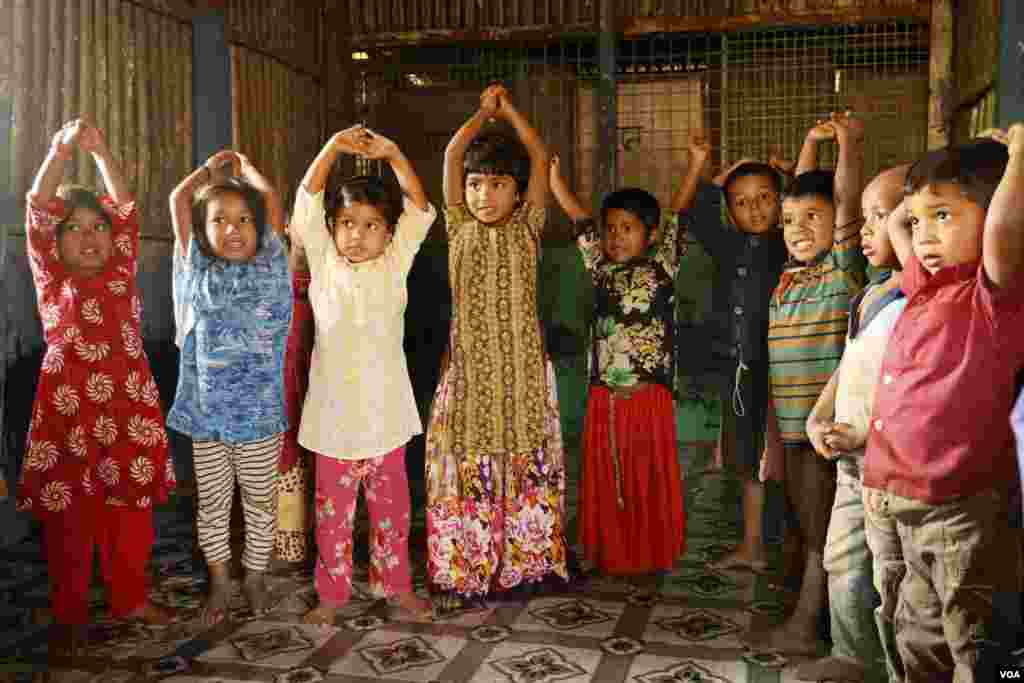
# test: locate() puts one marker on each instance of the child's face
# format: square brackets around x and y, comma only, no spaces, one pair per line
[754,203]
[231,227]
[880,198]
[945,226]
[491,198]
[361,232]
[808,226]
[625,236]
[85,243]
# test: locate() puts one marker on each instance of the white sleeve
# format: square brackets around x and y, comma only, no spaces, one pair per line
[411,231]
[309,225]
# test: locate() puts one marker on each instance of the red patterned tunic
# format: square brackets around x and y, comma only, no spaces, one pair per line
[97,427]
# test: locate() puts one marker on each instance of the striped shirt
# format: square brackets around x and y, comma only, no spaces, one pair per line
[808,320]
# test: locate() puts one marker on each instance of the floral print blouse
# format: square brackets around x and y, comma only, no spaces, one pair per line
[634,321]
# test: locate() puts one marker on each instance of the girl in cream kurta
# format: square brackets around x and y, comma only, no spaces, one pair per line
[360,409]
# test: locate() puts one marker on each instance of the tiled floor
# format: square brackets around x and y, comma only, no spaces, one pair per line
[603,630]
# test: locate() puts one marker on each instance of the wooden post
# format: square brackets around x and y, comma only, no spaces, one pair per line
[605,105]
[941,79]
[1010,107]
[211,86]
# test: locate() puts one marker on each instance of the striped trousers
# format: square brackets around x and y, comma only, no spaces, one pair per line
[253,465]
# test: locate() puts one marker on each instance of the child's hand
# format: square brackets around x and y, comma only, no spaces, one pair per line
[699,149]
[725,173]
[489,101]
[843,438]
[823,130]
[783,166]
[222,162]
[70,133]
[818,431]
[555,173]
[91,140]
[847,127]
[353,140]
[773,462]
[379,147]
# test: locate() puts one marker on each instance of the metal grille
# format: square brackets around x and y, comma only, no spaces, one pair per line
[754,93]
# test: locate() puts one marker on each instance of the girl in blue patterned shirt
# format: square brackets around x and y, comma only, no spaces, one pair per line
[233,301]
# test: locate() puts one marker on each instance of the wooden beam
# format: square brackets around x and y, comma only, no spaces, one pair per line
[941,79]
[539,34]
[635,26]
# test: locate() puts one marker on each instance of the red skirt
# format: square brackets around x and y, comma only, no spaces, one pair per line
[298,352]
[646,532]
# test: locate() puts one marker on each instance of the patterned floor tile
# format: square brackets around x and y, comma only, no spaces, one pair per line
[713,628]
[651,669]
[396,656]
[528,663]
[580,617]
[275,645]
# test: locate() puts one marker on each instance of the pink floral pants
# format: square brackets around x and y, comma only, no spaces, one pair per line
[387,500]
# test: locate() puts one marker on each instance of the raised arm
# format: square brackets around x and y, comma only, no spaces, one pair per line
[898,225]
[352,140]
[808,159]
[275,207]
[455,153]
[564,195]
[380,147]
[1002,250]
[181,196]
[537,189]
[92,141]
[849,180]
[697,168]
[51,171]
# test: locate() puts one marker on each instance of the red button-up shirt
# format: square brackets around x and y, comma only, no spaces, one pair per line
[941,427]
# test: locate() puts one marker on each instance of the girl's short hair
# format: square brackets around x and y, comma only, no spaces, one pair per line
[753,168]
[976,167]
[816,183]
[249,194]
[640,203]
[498,154]
[364,189]
[79,197]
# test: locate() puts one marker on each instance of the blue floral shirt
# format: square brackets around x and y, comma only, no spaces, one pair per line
[233,323]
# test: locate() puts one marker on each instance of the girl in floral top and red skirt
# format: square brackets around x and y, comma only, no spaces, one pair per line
[97,457]
[631,519]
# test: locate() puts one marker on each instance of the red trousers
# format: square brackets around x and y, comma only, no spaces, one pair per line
[124,537]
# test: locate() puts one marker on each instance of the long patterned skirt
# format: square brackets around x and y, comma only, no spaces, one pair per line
[295,483]
[494,520]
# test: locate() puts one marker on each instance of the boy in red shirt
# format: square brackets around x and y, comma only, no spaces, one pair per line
[940,465]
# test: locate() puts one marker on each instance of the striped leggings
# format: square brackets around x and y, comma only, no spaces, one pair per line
[253,465]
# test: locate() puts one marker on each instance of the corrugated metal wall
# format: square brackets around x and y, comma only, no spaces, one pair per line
[129,68]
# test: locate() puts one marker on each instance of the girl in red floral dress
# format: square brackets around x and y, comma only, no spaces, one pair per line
[97,457]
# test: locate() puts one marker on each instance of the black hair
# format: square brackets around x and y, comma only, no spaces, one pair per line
[753,168]
[78,197]
[976,167]
[640,203]
[498,154]
[816,183]
[364,189]
[249,194]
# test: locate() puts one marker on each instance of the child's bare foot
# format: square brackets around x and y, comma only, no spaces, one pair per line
[793,637]
[741,558]
[254,587]
[216,608]
[153,614]
[413,606]
[323,615]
